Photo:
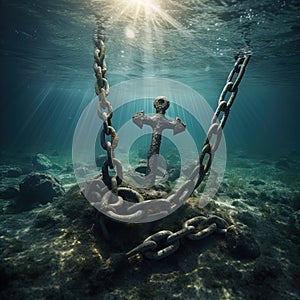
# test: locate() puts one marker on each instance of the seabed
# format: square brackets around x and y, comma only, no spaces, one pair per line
[57,250]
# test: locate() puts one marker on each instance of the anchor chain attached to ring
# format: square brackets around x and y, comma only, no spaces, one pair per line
[107,194]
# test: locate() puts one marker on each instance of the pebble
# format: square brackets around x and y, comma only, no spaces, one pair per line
[41,162]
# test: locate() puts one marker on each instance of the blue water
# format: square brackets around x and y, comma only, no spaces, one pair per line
[65,249]
[47,57]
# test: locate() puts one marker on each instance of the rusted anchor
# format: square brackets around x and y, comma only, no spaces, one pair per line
[158,122]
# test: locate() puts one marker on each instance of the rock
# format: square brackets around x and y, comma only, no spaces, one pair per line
[150,194]
[75,206]
[44,220]
[250,194]
[9,171]
[142,169]
[9,193]
[41,162]
[257,182]
[40,188]
[247,218]
[57,167]
[14,172]
[241,243]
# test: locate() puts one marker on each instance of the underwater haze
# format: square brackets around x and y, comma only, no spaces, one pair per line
[236,236]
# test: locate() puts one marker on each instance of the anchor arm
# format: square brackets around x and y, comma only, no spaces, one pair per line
[176,125]
[179,126]
[141,119]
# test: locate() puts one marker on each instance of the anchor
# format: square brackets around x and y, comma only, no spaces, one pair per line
[159,123]
[112,199]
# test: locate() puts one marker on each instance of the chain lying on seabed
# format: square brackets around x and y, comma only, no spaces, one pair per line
[163,243]
[113,196]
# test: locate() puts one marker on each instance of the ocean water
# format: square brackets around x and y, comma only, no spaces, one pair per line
[60,249]
[47,59]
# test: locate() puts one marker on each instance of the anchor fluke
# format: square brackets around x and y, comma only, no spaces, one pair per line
[138,119]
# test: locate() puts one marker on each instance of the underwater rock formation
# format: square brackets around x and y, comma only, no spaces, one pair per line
[39,188]
[41,162]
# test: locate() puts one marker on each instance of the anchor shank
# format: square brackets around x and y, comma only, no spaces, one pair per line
[153,152]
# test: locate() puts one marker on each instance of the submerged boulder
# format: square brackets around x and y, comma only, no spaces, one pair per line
[41,162]
[241,243]
[9,193]
[40,188]
[10,171]
[14,172]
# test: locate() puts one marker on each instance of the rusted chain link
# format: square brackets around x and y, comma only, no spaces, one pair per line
[105,191]
[164,243]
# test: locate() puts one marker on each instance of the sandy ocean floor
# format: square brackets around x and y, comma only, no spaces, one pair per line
[58,250]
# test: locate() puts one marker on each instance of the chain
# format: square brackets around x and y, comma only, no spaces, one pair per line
[164,243]
[102,91]
[222,112]
[105,192]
